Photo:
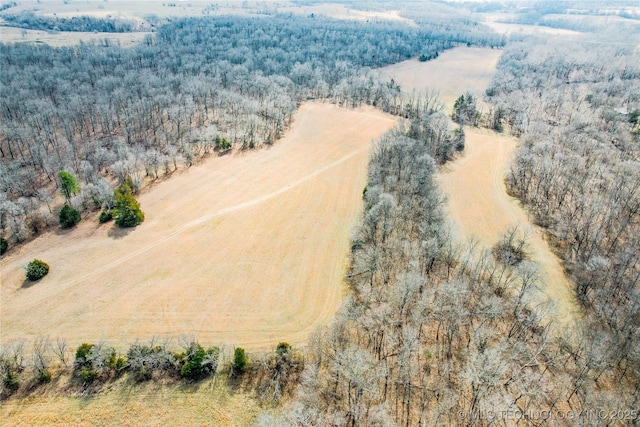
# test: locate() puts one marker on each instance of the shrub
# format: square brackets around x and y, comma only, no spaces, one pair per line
[511,249]
[4,245]
[82,352]
[199,363]
[44,376]
[37,269]
[144,360]
[88,375]
[127,212]
[115,362]
[95,361]
[282,349]
[105,216]
[68,216]
[222,144]
[10,381]
[240,361]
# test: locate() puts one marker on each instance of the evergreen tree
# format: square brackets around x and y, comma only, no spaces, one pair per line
[127,212]
[68,216]
[68,185]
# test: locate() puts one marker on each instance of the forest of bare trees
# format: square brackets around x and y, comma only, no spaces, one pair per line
[104,113]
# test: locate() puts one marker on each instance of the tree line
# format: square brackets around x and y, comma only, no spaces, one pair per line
[31,21]
[28,366]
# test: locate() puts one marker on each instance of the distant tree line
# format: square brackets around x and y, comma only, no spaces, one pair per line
[197,87]
[8,5]
[83,23]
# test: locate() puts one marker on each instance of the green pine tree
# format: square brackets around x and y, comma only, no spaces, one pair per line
[68,185]
[127,212]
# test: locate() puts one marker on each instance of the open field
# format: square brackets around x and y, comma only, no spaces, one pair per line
[499,22]
[67,38]
[474,184]
[454,72]
[507,29]
[480,208]
[340,11]
[207,404]
[247,249]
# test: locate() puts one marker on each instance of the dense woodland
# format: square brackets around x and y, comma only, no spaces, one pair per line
[104,113]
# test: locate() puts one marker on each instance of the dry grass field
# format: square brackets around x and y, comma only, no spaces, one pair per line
[209,403]
[499,23]
[454,72]
[474,184]
[340,11]
[67,38]
[246,249]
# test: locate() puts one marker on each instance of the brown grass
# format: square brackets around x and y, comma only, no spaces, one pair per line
[211,403]
[454,72]
[67,38]
[246,249]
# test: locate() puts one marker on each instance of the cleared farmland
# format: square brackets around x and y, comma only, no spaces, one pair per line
[67,38]
[246,249]
[451,74]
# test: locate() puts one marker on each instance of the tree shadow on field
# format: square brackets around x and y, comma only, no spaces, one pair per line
[119,233]
[236,383]
[26,284]
[64,231]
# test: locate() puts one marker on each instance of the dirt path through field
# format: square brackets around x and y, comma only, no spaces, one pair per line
[247,249]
